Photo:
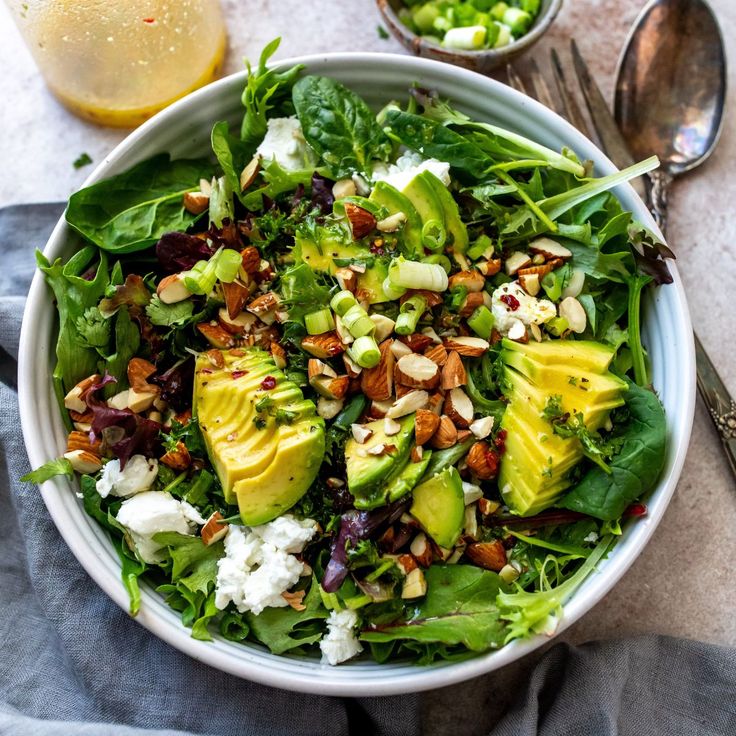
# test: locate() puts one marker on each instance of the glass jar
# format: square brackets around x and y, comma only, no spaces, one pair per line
[117,62]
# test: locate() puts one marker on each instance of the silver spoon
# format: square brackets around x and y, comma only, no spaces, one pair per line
[669,101]
[670,91]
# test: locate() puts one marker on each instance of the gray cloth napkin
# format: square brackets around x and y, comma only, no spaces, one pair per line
[72,662]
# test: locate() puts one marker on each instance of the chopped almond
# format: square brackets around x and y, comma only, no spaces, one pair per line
[250,172]
[549,248]
[421,550]
[83,461]
[453,372]
[472,301]
[479,462]
[473,281]
[347,279]
[459,408]
[413,401]
[417,341]
[196,202]
[425,425]
[326,345]
[446,434]
[214,529]
[472,347]
[236,295]
[216,335]
[75,400]
[417,371]
[361,221]
[517,260]
[437,354]
[378,382]
[172,289]
[279,355]
[178,458]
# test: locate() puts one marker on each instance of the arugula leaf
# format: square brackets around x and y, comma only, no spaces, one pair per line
[51,469]
[74,294]
[266,90]
[131,211]
[534,612]
[131,568]
[339,126]
[500,144]
[459,608]
[169,315]
[284,629]
[636,467]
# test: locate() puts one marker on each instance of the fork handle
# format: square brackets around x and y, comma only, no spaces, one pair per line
[659,188]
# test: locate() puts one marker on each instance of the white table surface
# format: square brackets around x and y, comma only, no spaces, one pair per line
[684,582]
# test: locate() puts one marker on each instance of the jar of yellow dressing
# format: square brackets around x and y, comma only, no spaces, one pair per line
[117,62]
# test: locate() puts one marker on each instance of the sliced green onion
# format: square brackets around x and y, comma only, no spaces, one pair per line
[342,301]
[517,20]
[434,235]
[319,322]
[201,278]
[413,275]
[465,38]
[357,321]
[391,291]
[482,248]
[443,261]
[364,351]
[556,326]
[481,322]
[409,314]
[227,266]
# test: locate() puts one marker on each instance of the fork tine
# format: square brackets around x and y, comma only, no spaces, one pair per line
[572,110]
[541,89]
[515,81]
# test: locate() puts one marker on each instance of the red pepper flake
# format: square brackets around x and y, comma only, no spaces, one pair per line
[205,370]
[149,20]
[510,301]
[239,374]
[268,383]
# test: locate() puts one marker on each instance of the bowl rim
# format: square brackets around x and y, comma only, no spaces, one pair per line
[288,672]
[540,26]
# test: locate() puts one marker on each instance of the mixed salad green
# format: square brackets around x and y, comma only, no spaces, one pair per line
[470,25]
[362,383]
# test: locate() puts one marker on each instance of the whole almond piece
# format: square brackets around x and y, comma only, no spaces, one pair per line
[236,295]
[549,248]
[326,345]
[196,202]
[425,425]
[361,221]
[471,347]
[377,383]
[489,555]
[472,301]
[446,434]
[480,462]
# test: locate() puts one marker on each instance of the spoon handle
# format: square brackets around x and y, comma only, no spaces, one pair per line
[659,188]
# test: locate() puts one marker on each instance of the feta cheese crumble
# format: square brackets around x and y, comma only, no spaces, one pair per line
[284,143]
[137,476]
[150,512]
[340,642]
[259,563]
[407,166]
[511,305]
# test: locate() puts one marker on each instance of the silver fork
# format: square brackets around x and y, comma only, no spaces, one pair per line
[721,406]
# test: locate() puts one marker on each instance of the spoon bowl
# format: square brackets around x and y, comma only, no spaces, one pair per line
[671,84]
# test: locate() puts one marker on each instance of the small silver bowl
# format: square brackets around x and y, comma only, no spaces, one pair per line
[482,61]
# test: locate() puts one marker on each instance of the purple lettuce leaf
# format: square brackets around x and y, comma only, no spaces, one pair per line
[180,251]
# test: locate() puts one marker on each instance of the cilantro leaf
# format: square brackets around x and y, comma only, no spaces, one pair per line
[169,315]
[51,469]
[93,329]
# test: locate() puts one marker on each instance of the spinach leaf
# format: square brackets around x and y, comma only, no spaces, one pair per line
[339,126]
[283,629]
[266,90]
[636,467]
[131,211]
[459,608]
[434,140]
[232,153]
[76,288]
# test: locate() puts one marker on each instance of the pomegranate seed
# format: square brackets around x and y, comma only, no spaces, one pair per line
[268,383]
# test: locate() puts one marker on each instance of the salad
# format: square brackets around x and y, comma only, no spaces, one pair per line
[358,382]
[469,25]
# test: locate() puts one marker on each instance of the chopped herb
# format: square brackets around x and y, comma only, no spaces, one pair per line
[382,33]
[84,159]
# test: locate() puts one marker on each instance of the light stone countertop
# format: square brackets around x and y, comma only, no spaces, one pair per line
[683,584]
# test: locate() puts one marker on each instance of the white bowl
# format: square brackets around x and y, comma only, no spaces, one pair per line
[184,129]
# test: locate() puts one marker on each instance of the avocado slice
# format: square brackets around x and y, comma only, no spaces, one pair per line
[322,252]
[394,201]
[266,467]
[439,507]
[367,473]
[536,463]
[421,193]
[583,354]
[456,230]
[409,476]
